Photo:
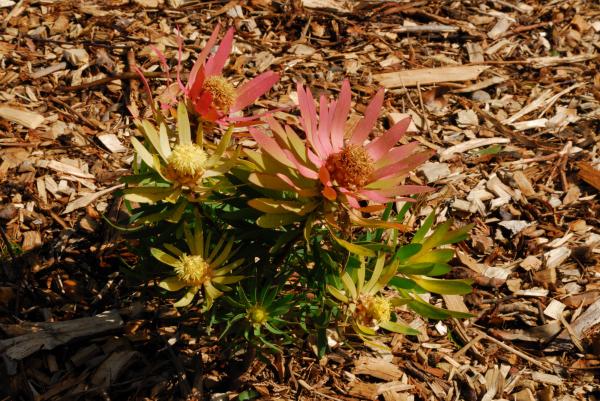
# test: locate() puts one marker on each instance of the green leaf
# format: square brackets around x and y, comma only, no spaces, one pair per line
[248,395]
[407,251]
[354,248]
[448,287]
[403,283]
[421,232]
[142,152]
[187,298]
[457,235]
[375,223]
[416,268]
[438,235]
[397,327]
[432,256]
[183,125]
[364,330]
[274,206]
[349,284]
[164,257]
[439,269]
[491,150]
[147,194]
[171,284]
[374,279]
[337,294]
[432,312]
[273,330]
[276,220]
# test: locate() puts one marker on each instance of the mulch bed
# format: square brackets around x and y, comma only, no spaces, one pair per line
[506,92]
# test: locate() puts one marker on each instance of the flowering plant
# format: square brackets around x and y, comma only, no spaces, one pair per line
[334,169]
[310,223]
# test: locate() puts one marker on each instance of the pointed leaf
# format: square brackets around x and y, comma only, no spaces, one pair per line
[276,220]
[183,125]
[397,327]
[421,232]
[187,298]
[164,257]
[349,284]
[353,248]
[171,284]
[432,312]
[407,251]
[142,152]
[337,294]
[447,287]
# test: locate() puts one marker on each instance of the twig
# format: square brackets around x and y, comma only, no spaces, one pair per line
[525,28]
[308,387]
[515,351]
[83,118]
[427,28]
[106,80]
[10,252]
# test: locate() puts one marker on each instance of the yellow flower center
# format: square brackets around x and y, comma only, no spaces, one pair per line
[371,311]
[221,91]
[257,315]
[192,270]
[351,167]
[186,164]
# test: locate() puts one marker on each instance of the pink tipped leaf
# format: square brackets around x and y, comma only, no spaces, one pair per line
[271,147]
[199,64]
[323,132]
[340,115]
[253,89]
[396,154]
[215,64]
[384,143]
[308,114]
[367,123]
[403,166]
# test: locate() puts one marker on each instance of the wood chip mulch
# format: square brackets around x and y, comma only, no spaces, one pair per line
[508,94]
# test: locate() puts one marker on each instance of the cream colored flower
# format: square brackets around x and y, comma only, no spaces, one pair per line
[185,168]
[206,267]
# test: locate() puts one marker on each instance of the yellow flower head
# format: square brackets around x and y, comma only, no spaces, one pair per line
[351,167]
[373,310]
[257,315]
[192,270]
[186,164]
[221,91]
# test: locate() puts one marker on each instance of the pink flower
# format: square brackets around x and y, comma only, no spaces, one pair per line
[349,169]
[212,95]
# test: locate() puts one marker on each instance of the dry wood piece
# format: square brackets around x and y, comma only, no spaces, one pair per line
[472,144]
[426,76]
[377,367]
[47,336]
[26,118]
[589,174]
[367,391]
[111,369]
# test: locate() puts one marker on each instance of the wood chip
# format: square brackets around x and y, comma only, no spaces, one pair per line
[426,76]
[28,119]
[471,144]
[47,336]
[377,367]
[112,143]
